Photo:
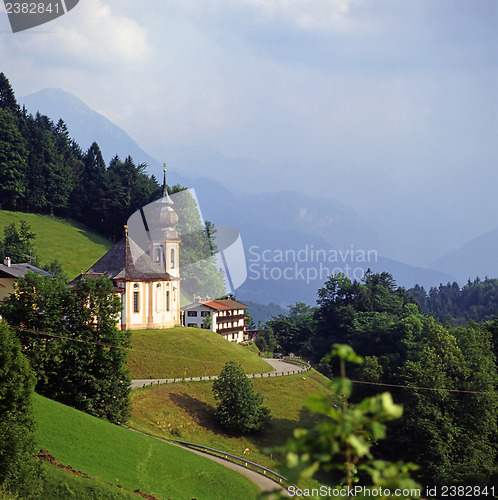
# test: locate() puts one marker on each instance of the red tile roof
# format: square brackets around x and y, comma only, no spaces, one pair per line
[223,305]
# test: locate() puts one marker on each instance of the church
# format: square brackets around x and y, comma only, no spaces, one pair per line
[148,283]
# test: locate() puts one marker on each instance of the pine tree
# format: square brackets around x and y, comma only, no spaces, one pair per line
[13,161]
[7,97]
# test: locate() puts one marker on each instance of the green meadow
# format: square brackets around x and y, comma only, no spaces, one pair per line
[73,245]
[173,352]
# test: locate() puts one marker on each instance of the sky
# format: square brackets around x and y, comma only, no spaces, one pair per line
[390,105]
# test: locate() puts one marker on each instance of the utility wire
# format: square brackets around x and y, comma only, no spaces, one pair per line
[45,334]
[420,388]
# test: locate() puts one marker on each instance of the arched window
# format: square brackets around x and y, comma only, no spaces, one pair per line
[172,258]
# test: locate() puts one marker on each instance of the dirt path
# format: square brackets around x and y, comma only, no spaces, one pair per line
[280,368]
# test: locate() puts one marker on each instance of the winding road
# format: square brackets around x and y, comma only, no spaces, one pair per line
[280,368]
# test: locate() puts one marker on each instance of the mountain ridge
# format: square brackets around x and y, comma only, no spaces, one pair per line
[286,220]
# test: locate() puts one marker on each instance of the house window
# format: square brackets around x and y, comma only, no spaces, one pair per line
[205,313]
[192,325]
[191,313]
[167,301]
[172,258]
[136,302]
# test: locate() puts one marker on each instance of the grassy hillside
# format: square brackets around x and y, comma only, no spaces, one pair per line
[166,353]
[59,484]
[121,456]
[185,411]
[73,245]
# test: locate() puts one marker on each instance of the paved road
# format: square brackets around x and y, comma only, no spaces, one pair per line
[262,482]
[279,368]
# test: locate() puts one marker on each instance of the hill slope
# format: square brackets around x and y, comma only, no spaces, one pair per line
[71,243]
[121,456]
[186,411]
[166,353]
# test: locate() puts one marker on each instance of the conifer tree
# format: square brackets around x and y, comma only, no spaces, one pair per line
[13,161]
[7,97]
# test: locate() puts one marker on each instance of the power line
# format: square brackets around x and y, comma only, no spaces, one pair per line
[94,342]
[155,353]
[420,388]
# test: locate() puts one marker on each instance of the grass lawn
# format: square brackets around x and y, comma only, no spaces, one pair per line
[72,244]
[166,353]
[185,411]
[120,456]
[59,484]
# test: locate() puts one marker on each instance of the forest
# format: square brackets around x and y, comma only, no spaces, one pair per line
[476,301]
[444,376]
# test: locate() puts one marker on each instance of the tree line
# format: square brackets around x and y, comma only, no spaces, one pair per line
[45,171]
[445,377]
[476,301]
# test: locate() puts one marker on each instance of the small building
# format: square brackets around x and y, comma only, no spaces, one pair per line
[10,272]
[226,317]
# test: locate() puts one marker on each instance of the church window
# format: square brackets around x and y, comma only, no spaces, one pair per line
[136,302]
[167,301]
[172,258]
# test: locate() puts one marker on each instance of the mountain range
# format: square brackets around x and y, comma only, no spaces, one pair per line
[298,234]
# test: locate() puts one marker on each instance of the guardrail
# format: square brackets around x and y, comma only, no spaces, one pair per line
[305,367]
[274,476]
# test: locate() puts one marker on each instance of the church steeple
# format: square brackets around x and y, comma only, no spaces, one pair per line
[165,196]
[164,241]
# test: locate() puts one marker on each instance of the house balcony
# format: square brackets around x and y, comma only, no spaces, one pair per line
[225,319]
[235,329]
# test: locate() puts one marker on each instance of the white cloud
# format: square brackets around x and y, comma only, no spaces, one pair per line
[305,14]
[91,33]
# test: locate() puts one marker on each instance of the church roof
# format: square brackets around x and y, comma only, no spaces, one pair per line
[127,261]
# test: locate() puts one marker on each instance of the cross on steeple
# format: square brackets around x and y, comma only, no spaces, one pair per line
[165,196]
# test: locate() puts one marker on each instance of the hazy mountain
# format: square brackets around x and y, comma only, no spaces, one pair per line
[86,125]
[312,236]
[477,258]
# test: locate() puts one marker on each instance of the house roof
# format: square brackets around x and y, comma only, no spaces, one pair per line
[20,270]
[219,305]
[127,261]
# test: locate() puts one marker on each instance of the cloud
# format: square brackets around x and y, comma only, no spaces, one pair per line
[305,14]
[90,34]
